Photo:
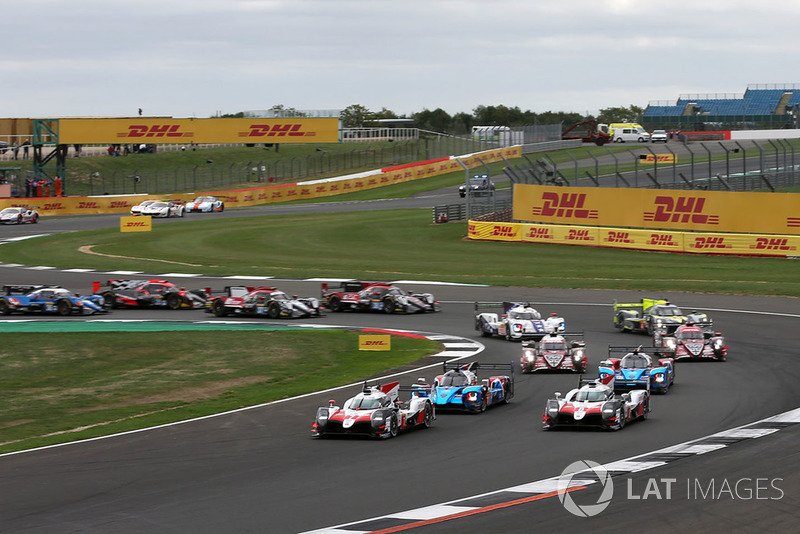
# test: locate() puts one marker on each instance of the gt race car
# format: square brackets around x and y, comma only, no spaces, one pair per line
[692,341]
[555,352]
[152,293]
[19,215]
[48,300]
[376,412]
[261,302]
[594,404]
[164,208]
[376,297]
[459,388]
[651,316]
[517,321]
[637,370]
[137,209]
[206,204]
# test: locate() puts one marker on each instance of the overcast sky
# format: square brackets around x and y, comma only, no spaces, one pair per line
[197,58]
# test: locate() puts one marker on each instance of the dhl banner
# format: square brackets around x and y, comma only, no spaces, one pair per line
[141,223]
[185,131]
[656,240]
[660,158]
[374,342]
[707,211]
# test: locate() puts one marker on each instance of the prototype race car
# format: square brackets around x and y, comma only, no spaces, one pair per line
[594,404]
[376,412]
[19,215]
[137,209]
[517,321]
[555,352]
[636,370]
[459,388]
[651,316]
[692,341]
[153,293]
[378,297]
[205,204]
[48,299]
[164,208]
[262,301]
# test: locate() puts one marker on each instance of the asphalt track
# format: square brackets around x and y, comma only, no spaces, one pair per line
[258,470]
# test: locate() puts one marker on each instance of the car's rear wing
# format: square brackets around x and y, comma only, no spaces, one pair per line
[475,366]
[500,305]
[641,305]
[625,350]
[22,289]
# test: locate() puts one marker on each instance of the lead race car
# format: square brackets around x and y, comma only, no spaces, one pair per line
[47,300]
[558,351]
[164,208]
[150,293]
[376,297]
[652,316]
[637,370]
[19,215]
[459,388]
[376,412]
[594,404]
[517,321]
[692,341]
[262,301]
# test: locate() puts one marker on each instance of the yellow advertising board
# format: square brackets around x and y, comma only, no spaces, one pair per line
[660,158]
[139,223]
[375,342]
[670,209]
[202,131]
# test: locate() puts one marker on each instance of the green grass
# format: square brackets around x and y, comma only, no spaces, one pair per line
[77,385]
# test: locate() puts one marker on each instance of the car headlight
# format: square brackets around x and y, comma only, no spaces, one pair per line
[378,417]
[608,410]
[659,377]
[553,410]
[529,355]
[670,343]
[578,356]
[516,327]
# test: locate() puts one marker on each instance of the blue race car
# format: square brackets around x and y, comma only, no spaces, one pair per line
[459,388]
[48,299]
[637,370]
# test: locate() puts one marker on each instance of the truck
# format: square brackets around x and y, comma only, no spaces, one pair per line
[587,131]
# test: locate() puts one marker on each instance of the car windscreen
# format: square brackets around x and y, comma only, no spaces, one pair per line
[554,346]
[634,361]
[590,395]
[364,403]
[524,316]
[454,379]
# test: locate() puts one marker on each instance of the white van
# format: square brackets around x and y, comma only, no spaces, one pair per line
[622,135]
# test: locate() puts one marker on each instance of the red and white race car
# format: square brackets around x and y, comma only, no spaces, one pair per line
[262,302]
[594,404]
[692,341]
[376,412]
[555,352]
[376,296]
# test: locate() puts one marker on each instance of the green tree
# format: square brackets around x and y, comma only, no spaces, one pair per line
[437,120]
[621,114]
[355,116]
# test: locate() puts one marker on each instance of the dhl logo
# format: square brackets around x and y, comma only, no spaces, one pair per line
[87,205]
[503,231]
[291,193]
[662,240]
[276,130]
[619,237]
[277,194]
[248,198]
[334,187]
[540,233]
[262,196]
[772,243]
[579,235]
[384,179]
[119,204]
[660,158]
[408,174]
[305,191]
[53,206]
[359,184]
[347,185]
[135,224]
[793,222]
[321,189]
[567,205]
[706,243]
[471,229]
[372,181]
[371,343]
[155,130]
[680,210]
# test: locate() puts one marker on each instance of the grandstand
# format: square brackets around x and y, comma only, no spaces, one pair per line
[762,106]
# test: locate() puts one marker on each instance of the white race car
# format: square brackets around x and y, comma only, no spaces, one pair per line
[517,321]
[19,215]
[205,205]
[137,209]
[164,208]
[593,403]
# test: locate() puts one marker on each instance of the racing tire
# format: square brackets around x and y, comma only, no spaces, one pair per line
[219,308]
[620,323]
[508,334]
[482,407]
[109,300]
[34,219]
[394,426]
[388,305]
[64,307]
[335,304]
[222,208]
[19,219]
[646,410]
[173,301]
[4,309]
[621,419]
[428,417]
[274,310]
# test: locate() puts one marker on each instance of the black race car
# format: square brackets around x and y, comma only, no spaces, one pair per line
[153,293]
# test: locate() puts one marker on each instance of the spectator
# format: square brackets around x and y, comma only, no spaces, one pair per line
[25,146]
[16,150]
[57,184]
[77,150]
[28,187]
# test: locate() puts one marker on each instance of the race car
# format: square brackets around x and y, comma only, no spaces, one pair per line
[517,321]
[459,388]
[637,370]
[19,215]
[376,412]
[263,302]
[137,209]
[376,297]
[555,352]
[205,204]
[164,208]
[692,341]
[651,316]
[152,293]
[594,404]
[48,299]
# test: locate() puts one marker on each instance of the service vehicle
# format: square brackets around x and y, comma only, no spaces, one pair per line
[478,185]
[594,404]
[637,369]
[150,293]
[24,298]
[383,297]
[557,351]
[658,136]
[459,387]
[515,321]
[262,301]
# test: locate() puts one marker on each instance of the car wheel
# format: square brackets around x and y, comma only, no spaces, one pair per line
[482,407]
[173,301]
[646,410]
[19,219]
[388,305]
[620,323]
[508,333]
[621,418]
[274,310]
[219,308]
[4,309]
[618,140]
[641,139]
[35,219]
[64,307]
[427,419]
[335,304]
[109,300]
[393,426]
[222,208]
